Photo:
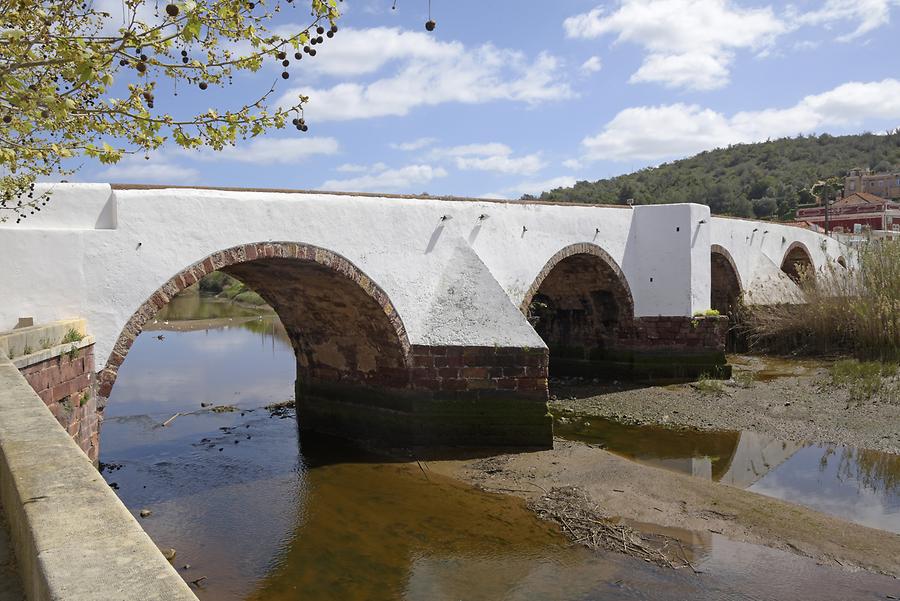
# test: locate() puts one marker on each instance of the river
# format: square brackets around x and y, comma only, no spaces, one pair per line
[257,512]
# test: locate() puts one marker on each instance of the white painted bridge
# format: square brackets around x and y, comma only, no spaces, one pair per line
[377,291]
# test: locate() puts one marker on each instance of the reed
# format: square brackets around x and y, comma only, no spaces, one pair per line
[851,311]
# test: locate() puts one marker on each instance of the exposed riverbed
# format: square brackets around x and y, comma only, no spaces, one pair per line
[258,512]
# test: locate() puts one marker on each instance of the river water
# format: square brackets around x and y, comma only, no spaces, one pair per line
[257,512]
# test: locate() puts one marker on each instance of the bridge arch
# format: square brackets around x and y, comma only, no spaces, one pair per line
[797,262]
[580,304]
[342,325]
[725,281]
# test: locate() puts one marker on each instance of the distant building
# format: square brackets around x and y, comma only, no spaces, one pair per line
[885,185]
[855,212]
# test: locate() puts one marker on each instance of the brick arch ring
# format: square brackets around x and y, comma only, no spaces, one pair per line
[719,249]
[245,253]
[583,248]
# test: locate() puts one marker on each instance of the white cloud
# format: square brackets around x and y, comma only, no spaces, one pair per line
[354,168]
[355,52]
[159,168]
[592,65]
[417,144]
[402,178]
[689,43]
[267,150]
[493,157]
[867,14]
[536,187]
[428,72]
[572,164]
[659,132]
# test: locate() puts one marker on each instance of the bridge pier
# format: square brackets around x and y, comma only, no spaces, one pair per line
[450,396]
[667,348]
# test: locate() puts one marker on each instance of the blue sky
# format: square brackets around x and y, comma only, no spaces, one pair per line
[513,96]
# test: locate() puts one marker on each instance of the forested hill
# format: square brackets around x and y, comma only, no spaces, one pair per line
[763,180]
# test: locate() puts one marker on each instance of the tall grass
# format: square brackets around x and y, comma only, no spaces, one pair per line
[849,311]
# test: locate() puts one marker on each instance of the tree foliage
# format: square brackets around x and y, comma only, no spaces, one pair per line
[765,180]
[78,79]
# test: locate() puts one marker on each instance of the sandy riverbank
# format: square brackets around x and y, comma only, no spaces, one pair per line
[656,501]
[786,399]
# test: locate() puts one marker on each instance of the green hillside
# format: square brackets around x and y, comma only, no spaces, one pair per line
[763,180]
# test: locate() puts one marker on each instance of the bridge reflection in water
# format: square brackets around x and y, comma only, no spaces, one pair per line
[262,521]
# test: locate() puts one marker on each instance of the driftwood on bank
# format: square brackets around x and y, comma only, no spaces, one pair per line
[584,523]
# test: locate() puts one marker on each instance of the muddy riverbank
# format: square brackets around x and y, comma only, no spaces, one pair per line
[787,399]
[679,507]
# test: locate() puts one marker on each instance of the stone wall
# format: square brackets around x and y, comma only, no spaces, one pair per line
[461,372]
[57,360]
[64,384]
[657,349]
[450,396]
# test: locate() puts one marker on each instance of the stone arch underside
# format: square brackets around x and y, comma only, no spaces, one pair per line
[579,305]
[725,282]
[797,263]
[358,376]
[582,307]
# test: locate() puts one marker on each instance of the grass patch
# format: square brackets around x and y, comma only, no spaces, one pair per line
[72,335]
[708,385]
[707,313]
[865,380]
[744,379]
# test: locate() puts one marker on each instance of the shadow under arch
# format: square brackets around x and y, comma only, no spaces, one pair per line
[797,263]
[581,305]
[726,288]
[342,325]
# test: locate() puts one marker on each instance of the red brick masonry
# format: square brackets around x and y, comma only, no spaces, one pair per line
[680,334]
[470,372]
[64,384]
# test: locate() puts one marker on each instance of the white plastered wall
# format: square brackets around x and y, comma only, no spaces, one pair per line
[758,250]
[455,271]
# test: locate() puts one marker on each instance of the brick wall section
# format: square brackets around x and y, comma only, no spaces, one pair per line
[64,384]
[469,372]
[681,334]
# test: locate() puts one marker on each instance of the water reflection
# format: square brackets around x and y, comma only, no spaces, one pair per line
[859,485]
[247,364]
[265,516]
[263,522]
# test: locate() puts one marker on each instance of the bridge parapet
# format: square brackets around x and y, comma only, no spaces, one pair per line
[73,538]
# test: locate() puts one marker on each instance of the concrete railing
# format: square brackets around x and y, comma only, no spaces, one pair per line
[74,540]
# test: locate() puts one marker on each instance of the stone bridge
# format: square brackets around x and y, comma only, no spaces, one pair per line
[414,319]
